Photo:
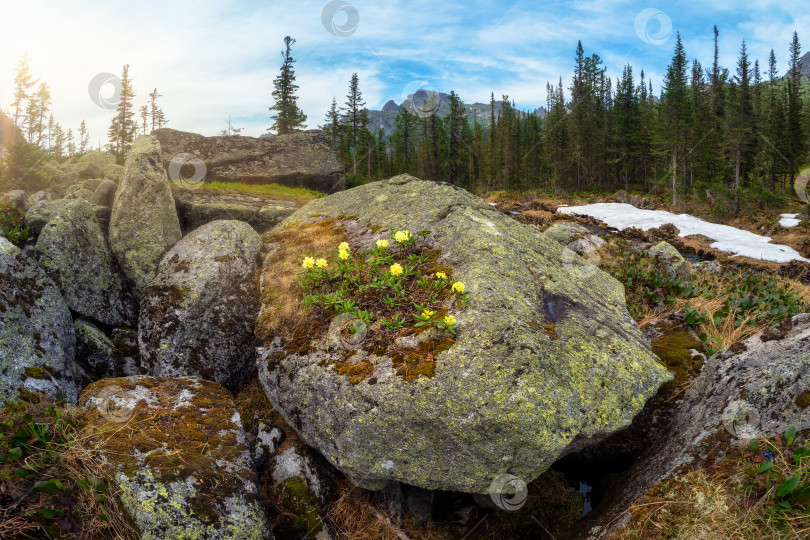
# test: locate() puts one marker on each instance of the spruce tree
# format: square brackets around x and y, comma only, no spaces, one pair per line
[675,109]
[123,128]
[23,82]
[353,118]
[84,138]
[288,118]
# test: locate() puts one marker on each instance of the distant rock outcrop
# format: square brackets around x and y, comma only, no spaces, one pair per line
[304,159]
[390,106]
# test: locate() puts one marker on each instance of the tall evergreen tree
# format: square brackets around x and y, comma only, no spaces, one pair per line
[288,118]
[675,109]
[23,82]
[353,118]
[123,127]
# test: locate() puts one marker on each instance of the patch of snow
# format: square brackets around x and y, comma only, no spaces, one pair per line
[729,239]
[493,204]
[789,220]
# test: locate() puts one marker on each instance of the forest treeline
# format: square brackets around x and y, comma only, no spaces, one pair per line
[710,132]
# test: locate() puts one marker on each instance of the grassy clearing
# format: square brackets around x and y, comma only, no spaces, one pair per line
[760,492]
[277,191]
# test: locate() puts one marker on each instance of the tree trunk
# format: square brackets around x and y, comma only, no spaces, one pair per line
[674,173]
[737,168]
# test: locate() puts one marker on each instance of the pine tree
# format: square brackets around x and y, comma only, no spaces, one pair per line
[456,121]
[23,82]
[353,118]
[71,145]
[403,140]
[123,128]
[144,112]
[154,110]
[675,108]
[331,127]
[59,141]
[288,118]
[230,130]
[84,138]
[795,141]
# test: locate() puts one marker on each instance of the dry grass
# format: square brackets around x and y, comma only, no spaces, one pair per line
[275,191]
[76,459]
[711,504]
[281,294]
[354,517]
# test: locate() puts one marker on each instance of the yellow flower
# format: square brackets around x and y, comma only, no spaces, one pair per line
[396,269]
[402,236]
[458,287]
[441,275]
[344,246]
[343,255]
[449,320]
[428,314]
[382,244]
[309,262]
[321,263]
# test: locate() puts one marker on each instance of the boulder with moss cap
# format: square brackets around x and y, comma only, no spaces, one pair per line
[547,360]
[197,314]
[37,342]
[180,456]
[144,223]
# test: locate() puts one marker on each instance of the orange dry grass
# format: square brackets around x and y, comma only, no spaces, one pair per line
[281,295]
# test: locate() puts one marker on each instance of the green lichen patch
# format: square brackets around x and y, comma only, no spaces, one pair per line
[181,456]
[294,509]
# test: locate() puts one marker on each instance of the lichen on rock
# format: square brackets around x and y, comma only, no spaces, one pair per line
[180,457]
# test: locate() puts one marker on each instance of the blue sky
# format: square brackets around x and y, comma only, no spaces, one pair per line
[211,59]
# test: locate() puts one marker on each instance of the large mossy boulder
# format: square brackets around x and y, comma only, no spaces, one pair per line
[546,360]
[671,259]
[37,342]
[72,249]
[144,223]
[178,452]
[197,313]
[304,159]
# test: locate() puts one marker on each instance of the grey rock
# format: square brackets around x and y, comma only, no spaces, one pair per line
[197,313]
[673,262]
[37,341]
[73,251]
[144,223]
[104,195]
[498,395]
[304,159]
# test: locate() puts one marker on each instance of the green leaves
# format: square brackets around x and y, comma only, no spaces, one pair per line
[54,485]
[790,435]
[767,466]
[788,486]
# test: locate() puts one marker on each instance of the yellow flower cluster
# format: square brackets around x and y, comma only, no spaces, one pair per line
[441,275]
[427,313]
[321,263]
[402,236]
[309,262]
[344,251]
[449,320]
[382,244]
[458,287]
[396,269]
